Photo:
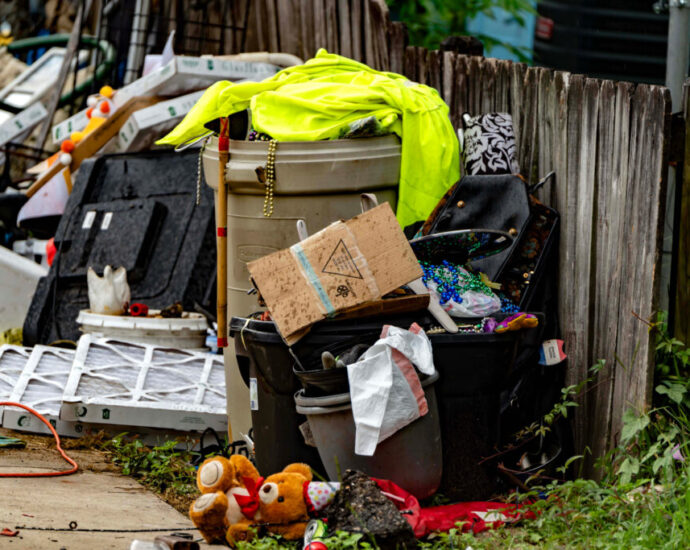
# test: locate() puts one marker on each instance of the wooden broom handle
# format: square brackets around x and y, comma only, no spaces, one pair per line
[222,235]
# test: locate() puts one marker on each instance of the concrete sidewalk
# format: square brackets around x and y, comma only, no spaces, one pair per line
[94,498]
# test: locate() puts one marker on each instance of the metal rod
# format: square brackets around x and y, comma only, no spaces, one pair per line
[678,52]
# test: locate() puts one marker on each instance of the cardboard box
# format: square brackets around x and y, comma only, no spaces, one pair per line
[344,265]
[146,125]
[180,75]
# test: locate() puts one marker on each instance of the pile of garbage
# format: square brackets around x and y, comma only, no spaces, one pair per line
[412,359]
[407,341]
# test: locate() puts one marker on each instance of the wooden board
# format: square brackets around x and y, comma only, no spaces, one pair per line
[95,140]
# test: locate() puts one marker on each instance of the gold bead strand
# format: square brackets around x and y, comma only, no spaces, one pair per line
[270,178]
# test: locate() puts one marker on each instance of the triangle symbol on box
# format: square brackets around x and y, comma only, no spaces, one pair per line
[341,263]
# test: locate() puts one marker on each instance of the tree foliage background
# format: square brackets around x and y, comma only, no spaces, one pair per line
[430,21]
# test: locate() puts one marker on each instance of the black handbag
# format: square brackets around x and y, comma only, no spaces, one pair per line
[493,202]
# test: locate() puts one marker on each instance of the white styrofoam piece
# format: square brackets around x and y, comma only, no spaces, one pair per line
[131,384]
[12,361]
[40,387]
[18,279]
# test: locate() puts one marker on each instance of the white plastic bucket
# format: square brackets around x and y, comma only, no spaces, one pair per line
[186,332]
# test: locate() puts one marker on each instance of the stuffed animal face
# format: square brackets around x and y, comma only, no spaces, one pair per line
[282,498]
[221,474]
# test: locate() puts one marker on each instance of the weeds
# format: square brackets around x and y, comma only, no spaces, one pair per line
[163,468]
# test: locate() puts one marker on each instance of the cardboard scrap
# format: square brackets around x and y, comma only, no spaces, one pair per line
[342,266]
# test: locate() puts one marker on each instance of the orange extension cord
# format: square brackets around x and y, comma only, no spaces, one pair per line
[75,466]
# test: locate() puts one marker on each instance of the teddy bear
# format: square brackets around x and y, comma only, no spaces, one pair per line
[236,502]
[219,479]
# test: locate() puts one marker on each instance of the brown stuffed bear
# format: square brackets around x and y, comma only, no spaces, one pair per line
[279,506]
[219,479]
[236,502]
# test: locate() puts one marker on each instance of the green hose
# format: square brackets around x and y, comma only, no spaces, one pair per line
[38,42]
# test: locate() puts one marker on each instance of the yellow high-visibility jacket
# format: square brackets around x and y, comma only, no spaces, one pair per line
[322,98]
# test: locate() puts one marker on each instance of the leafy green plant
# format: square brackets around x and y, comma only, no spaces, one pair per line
[430,21]
[161,468]
[654,443]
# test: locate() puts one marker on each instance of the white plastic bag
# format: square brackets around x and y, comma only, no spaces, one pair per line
[385,390]
[109,294]
[474,303]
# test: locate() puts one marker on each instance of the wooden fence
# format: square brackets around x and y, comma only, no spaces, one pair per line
[607,142]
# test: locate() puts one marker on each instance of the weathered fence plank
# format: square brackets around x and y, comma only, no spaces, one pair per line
[332,39]
[356,29]
[306,29]
[344,29]
[397,42]
[585,193]
[288,21]
[572,327]
[608,220]
[434,70]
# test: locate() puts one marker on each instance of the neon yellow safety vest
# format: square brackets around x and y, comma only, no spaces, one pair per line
[320,99]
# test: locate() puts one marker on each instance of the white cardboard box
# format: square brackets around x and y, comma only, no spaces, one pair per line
[180,75]
[143,127]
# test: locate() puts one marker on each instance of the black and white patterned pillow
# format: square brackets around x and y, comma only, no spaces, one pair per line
[489,144]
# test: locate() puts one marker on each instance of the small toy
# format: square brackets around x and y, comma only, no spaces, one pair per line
[138,309]
[517,321]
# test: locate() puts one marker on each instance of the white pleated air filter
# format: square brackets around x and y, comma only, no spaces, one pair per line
[12,361]
[40,386]
[132,384]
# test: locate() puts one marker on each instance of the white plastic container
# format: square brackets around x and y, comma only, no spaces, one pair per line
[318,182]
[186,332]
[18,279]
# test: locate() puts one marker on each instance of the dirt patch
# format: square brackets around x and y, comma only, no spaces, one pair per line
[40,454]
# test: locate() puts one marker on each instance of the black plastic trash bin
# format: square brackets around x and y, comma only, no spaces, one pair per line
[266,365]
[473,368]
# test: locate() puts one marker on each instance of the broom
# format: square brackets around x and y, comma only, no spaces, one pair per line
[222,235]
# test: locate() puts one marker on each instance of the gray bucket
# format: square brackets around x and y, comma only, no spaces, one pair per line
[411,457]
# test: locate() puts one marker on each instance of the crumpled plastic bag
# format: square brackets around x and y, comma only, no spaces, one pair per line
[110,294]
[385,390]
[474,303]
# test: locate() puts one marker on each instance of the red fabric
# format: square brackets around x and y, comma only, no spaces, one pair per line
[249,504]
[474,516]
[307,500]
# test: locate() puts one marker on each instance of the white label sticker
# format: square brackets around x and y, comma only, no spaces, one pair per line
[552,355]
[105,224]
[88,219]
[253,395]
